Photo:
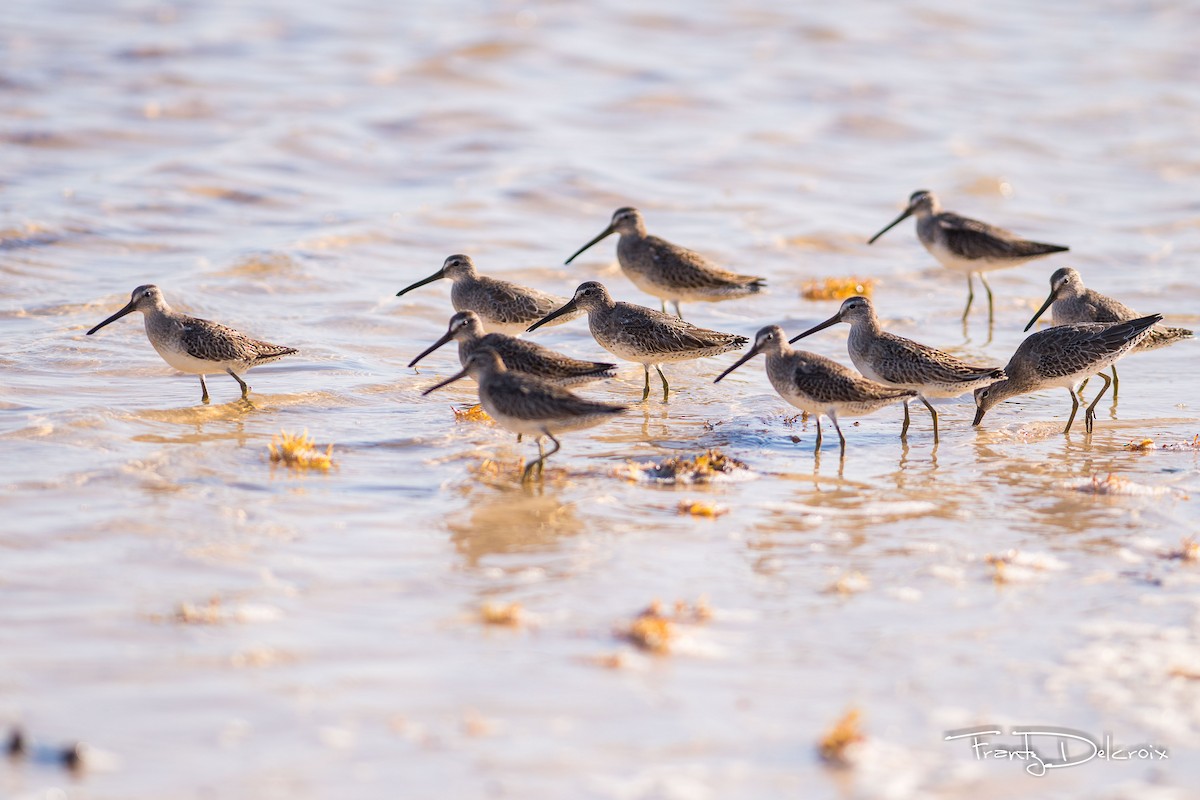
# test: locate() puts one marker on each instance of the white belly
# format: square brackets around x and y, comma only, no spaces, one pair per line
[196,366]
[968,265]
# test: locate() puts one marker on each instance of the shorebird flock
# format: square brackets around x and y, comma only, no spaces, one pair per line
[523,386]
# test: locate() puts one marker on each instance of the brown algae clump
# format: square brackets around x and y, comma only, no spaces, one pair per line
[654,631]
[298,452]
[698,508]
[650,630]
[511,615]
[833,746]
[837,288]
[473,413]
[703,468]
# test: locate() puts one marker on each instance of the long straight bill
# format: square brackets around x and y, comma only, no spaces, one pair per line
[607,232]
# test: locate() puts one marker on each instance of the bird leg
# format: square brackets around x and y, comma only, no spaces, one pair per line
[904,428]
[1116,383]
[932,412]
[646,390]
[529,468]
[838,428]
[678,313]
[1082,386]
[818,447]
[983,280]
[1074,408]
[204,390]
[970,294]
[664,306]
[666,388]
[241,383]
[1090,416]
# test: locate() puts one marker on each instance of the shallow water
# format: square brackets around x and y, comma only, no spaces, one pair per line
[286,168]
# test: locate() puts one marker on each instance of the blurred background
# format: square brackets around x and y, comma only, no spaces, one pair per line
[213,625]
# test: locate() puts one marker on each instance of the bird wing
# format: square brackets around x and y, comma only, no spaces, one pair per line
[901,360]
[510,304]
[212,341]
[655,332]
[1070,349]
[524,397]
[827,381]
[971,239]
[688,269]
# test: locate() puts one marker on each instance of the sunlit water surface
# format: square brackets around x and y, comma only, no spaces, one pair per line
[286,169]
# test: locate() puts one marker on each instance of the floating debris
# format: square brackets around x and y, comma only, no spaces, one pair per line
[704,468]
[699,508]
[834,747]
[654,631]
[1194,444]
[473,413]
[1188,550]
[214,612]
[849,583]
[1115,484]
[650,631]
[607,660]
[207,614]
[1143,446]
[837,288]
[1014,566]
[475,724]
[298,452]
[511,615]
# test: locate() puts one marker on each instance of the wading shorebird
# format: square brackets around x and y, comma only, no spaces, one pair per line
[902,363]
[668,271]
[1070,301]
[524,404]
[502,306]
[643,335]
[517,354]
[1065,356]
[196,346]
[967,245]
[817,384]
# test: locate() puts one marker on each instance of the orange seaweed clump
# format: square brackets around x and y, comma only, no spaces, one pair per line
[837,288]
[473,413]
[1142,446]
[650,630]
[833,746]
[698,508]
[511,615]
[653,630]
[298,452]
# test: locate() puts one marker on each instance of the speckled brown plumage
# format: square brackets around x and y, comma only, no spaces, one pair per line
[817,384]
[502,306]
[518,354]
[967,245]
[643,335]
[1065,356]
[896,361]
[667,271]
[194,345]
[524,404]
